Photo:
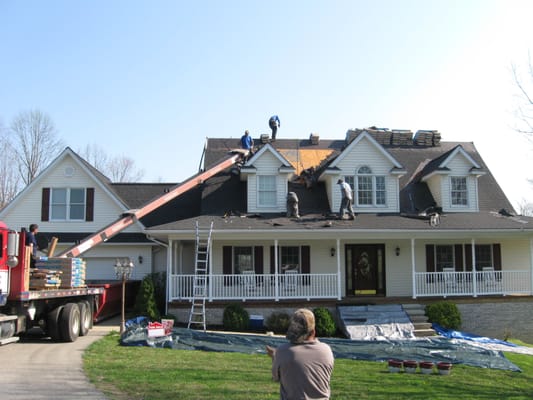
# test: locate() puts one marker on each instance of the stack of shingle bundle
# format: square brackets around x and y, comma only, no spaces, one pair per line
[73,270]
[382,136]
[401,137]
[424,138]
[44,278]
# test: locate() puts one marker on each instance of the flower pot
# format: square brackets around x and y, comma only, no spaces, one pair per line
[395,365]
[444,368]
[409,366]
[426,367]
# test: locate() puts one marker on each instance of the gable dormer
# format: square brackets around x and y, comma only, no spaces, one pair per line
[372,172]
[452,179]
[267,173]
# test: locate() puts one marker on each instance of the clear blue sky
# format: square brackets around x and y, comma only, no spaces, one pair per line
[152,79]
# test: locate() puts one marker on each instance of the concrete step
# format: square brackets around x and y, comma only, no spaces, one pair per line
[424,332]
[418,318]
[413,306]
[422,325]
[415,312]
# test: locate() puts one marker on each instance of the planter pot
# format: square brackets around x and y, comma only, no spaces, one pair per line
[409,366]
[426,367]
[444,368]
[395,365]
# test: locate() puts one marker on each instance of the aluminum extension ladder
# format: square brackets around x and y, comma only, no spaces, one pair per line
[201,273]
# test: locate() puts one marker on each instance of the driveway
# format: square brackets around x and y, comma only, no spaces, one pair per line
[37,368]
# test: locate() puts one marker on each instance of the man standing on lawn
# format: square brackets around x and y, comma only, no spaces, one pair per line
[303,366]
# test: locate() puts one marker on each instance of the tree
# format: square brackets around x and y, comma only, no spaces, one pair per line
[118,169]
[35,143]
[9,179]
[525,208]
[523,78]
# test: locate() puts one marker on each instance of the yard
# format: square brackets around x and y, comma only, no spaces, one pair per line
[148,373]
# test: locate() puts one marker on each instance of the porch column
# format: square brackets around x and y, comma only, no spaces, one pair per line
[474,283]
[170,271]
[413,266]
[276,275]
[531,262]
[339,288]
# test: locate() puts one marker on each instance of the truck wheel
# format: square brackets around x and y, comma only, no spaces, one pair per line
[52,323]
[69,322]
[86,317]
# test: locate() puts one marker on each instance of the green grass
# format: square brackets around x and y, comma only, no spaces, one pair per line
[147,373]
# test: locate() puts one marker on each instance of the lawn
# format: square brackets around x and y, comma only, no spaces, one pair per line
[148,373]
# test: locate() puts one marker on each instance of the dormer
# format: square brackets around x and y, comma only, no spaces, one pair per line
[452,180]
[372,172]
[267,173]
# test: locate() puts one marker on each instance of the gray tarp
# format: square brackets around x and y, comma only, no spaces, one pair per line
[431,349]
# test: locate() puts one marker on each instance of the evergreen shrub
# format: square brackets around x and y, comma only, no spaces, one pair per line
[235,318]
[324,322]
[145,304]
[445,314]
[278,322]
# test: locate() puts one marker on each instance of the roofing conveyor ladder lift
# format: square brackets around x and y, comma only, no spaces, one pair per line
[201,266]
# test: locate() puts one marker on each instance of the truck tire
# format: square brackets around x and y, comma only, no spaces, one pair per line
[52,324]
[86,317]
[69,322]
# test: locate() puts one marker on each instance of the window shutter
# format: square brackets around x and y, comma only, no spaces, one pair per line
[497,257]
[458,250]
[258,260]
[272,263]
[89,204]
[306,263]
[468,257]
[45,204]
[226,264]
[430,258]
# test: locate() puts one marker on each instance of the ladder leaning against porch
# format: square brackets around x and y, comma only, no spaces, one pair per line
[201,265]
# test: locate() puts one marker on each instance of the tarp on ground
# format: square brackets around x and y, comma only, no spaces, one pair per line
[430,349]
[452,334]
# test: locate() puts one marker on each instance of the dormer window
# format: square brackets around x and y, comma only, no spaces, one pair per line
[459,191]
[266,191]
[370,188]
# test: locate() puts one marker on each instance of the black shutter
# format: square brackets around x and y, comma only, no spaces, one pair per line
[430,258]
[258,260]
[306,263]
[45,204]
[468,257]
[497,257]
[89,204]
[458,250]
[272,261]
[226,264]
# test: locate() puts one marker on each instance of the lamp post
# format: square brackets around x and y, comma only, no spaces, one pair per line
[123,270]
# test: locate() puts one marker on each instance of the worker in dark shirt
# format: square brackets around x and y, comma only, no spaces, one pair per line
[31,239]
[274,124]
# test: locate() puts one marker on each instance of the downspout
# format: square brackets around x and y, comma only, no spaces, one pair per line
[413,266]
[339,289]
[474,283]
[531,262]
[209,264]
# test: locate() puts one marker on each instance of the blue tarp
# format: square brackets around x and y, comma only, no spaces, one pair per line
[434,349]
[451,334]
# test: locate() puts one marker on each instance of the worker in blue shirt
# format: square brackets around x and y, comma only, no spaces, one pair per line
[274,124]
[32,240]
[247,143]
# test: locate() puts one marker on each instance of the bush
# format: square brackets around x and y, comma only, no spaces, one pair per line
[278,322]
[445,314]
[324,322]
[235,318]
[145,304]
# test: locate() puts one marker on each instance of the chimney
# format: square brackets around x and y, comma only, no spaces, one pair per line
[313,138]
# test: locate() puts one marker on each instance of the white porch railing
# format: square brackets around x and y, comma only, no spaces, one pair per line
[259,287]
[463,283]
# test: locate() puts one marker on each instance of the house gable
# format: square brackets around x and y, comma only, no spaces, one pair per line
[364,163]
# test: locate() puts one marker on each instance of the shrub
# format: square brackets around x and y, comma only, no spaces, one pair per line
[324,322]
[278,322]
[235,318]
[145,304]
[445,314]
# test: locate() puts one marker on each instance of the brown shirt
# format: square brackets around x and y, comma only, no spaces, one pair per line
[303,370]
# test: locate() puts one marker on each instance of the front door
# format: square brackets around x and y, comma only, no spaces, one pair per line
[365,269]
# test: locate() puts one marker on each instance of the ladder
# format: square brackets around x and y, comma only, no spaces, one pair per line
[201,265]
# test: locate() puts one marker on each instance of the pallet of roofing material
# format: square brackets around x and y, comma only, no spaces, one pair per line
[45,279]
[73,270]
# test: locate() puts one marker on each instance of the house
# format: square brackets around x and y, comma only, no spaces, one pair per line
[428,211]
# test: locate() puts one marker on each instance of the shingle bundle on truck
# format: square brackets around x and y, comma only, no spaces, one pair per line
[62,305]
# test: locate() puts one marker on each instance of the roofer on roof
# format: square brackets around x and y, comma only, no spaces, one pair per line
[346,202]
[247,142]
[274,124]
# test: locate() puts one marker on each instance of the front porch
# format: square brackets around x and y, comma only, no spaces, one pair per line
[296,286]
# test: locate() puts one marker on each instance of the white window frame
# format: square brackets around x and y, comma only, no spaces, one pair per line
[67,205]
[374,192]
[458,195]
[266,188]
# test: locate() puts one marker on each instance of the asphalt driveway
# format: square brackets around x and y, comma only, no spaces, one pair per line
[37,368]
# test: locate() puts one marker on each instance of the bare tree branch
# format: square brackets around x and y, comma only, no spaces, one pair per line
[9,179]
[35,143]
[122,169]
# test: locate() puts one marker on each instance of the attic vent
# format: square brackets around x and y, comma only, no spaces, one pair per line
[313,138]
[69,171]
